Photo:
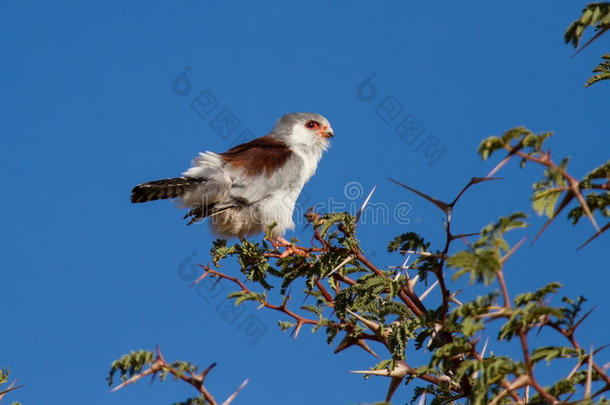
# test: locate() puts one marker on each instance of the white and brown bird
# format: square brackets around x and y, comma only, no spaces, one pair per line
[251,186]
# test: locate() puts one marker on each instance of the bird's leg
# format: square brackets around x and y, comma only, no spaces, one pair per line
[274,242]
[283,242]
[290,247]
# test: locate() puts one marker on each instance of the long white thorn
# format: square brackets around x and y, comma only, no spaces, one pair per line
[476,373]
[343,263]
[359,214]
[589,375]
[428,291]
[233,395]
[399,371]
[412,282]
[453,298]
[484,347]
[370,324]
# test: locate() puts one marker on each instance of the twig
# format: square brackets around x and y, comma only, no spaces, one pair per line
[281,308]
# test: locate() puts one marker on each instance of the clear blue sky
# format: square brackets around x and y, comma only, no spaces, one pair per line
[87,111]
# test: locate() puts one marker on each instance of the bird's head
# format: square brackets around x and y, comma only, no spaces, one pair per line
[303,129]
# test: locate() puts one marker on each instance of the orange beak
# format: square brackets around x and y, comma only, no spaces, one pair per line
[326,133]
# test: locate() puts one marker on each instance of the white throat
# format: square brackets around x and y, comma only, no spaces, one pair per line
[308,147]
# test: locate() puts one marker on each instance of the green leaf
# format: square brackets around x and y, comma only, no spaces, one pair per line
[220,251]
[242,296]
[596,202]
[130,364]
[544,201]
[593,15]
[599,173]
[481,264]
[537,296]
[602,70]
[549,353]
[285,325]
[400,334]
[490,145]
[408,241]
[526,318]
[467,317]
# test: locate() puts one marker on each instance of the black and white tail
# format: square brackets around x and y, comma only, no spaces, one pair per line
[164,189]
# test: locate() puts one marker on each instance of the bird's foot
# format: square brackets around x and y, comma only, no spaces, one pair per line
[291,249]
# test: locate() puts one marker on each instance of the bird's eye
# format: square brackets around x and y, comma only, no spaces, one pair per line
[312,124]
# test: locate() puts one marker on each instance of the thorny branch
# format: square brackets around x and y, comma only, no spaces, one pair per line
[11,387]
[159,365]
[282,308]
[574,188]
[351,269]
[517,388]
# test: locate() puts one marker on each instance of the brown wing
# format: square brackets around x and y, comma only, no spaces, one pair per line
[260,156]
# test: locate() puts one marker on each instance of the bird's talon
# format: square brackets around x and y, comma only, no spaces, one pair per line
[292,250]
[300,252]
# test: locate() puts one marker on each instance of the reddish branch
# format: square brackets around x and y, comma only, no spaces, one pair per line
[569,334]
[11,387]
[407,295]
[195,380]
[574,184]
[572,190]
[530,372]
[325,293]
[282,308]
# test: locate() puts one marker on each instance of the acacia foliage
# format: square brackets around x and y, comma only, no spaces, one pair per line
[597,16]
[361,306]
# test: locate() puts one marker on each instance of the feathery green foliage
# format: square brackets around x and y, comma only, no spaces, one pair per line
[557,189]
[137,365]
[602,70]
[596,15]
[482,260]
[361,304]
[130,364]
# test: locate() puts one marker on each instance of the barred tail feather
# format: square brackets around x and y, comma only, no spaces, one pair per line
[164,189]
